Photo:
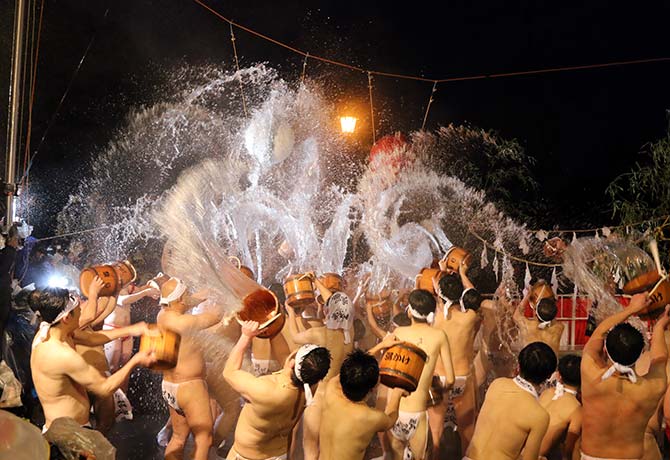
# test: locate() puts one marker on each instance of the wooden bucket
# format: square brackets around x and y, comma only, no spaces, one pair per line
[262,306]
[424,280]
[299,291]
[540,291]
[115,276]
[644,282]
[165,346]
[659,294]
[381,310]
[455,256]
[333,282]
[243,268]
[402,365]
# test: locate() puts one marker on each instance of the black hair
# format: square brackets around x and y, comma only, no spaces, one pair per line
[22,299]
[451,287]
[314,367]
[569,368]
[423,302]
[278,290]
[546,309]
[359,374]
[50,302]
[624,344]
[401,320]
[472,299]
[537,361]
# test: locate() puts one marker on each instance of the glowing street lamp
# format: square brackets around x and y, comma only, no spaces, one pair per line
[348,124]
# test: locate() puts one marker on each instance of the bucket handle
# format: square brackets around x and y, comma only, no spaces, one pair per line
[663,278]
[239,262]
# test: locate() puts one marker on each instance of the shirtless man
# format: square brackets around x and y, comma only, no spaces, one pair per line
[184,387]
[541,328]
[337,335]
[348,423]
[512,423]
[460,321]
[565,411]
[617,404]
[410,432]
[274,403]
[61,375]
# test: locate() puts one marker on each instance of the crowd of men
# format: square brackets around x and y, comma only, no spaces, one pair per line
[313,390]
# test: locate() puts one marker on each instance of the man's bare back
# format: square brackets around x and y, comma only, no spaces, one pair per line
[565,418]
[347,427]
[436,345]
[616,409]
[510,419]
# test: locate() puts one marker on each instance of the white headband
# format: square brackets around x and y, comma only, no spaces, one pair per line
[628,371]
[430,317]
[43,331]
[178,291]
[297,369]
[153,283]
[543,324]
[448,303]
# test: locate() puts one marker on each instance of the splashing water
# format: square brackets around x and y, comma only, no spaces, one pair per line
[274,189]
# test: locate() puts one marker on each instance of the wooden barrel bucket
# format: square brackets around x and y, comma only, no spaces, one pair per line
[165,347]
[262,306]
[641,283]
[333,282]
[540,291]
[247,271]
[456,256]
[402,365]
[274,327]
[424,280]
[659,294]
[115,276]
[381,310]
[299,291]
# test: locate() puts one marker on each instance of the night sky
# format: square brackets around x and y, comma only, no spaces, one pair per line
[583,127]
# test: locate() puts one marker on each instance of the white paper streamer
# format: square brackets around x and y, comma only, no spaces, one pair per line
[484,261]
[554,281]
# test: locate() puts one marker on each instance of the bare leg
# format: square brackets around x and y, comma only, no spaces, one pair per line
[465,408]
[193,398]
[180,431]
[397,447]
[436,415]
[419,442]
[383,436]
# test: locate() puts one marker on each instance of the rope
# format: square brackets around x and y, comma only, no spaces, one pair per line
[372,110]
[62,99]
[304,69]
[237,65]
[518,259]
[430,101]
[432,80]
[593,230]
[25,177]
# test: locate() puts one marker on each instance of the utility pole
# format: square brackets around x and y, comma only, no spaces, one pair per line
[10,188]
